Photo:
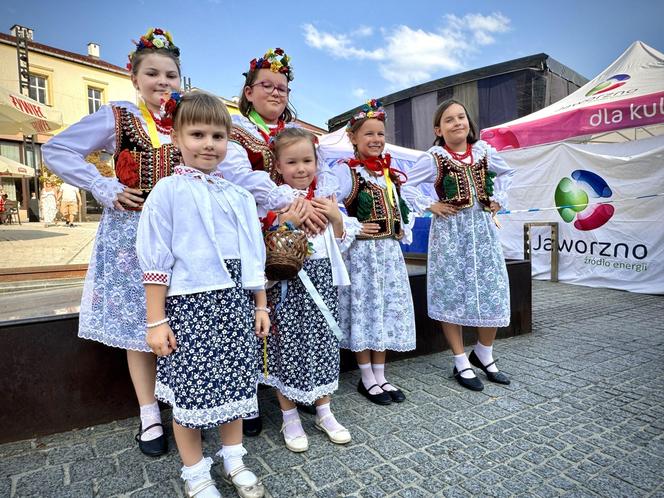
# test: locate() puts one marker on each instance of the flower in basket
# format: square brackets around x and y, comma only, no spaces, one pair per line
[126,169]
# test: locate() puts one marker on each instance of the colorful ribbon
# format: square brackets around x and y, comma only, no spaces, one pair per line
[152,126]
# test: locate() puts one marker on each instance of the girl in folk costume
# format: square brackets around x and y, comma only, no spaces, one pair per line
[113,303]
[266,110]
[250,162]
[200,246]
[466,275]
[303,351]
[376,311]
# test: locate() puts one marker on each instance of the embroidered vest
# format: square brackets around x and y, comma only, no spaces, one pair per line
[369,203]
[146,164]
[455,181]
[260,155]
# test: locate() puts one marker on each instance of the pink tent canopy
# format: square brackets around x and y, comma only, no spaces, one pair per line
[627,94]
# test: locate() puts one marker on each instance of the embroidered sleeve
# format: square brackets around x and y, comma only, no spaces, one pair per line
[65,154]
[503,179]
[326,181]
[417,191]
[352,227]
[153,238]
[236,168]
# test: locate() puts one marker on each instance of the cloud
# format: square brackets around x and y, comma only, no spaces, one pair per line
[414,55]
[338,45]
[363,31]
[359,92]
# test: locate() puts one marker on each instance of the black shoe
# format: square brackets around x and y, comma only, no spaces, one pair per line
[382,398]
[474,384]
[252,426]
[310,409]
[397,396]
[155,447]
[497,377]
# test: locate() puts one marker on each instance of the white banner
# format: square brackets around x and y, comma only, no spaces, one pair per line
[607,238]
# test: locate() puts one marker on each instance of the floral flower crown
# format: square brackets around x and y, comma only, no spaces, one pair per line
[372,109]
[154,38]
[275,60]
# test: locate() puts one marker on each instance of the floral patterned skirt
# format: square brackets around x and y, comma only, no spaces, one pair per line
[212,376]
[303,353]
[376,310]
[467,280]
[113,302]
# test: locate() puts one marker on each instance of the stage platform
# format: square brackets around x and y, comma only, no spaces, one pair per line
[53,382]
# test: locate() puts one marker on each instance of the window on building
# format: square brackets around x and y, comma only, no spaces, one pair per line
[38,88]
[94,99]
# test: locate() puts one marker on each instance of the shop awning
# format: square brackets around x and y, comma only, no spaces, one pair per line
[20,114]
[14,169]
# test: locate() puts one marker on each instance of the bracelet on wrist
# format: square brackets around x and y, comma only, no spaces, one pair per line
[262,308]
[157,323]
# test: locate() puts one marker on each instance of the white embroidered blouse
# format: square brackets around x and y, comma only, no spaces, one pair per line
[191,222]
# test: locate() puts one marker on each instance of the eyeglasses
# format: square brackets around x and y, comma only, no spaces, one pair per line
[269,88]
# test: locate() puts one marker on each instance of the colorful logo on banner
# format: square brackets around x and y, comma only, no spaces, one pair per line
[615,81]
[572,196]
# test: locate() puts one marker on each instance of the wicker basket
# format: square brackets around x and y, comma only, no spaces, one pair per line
[285,253]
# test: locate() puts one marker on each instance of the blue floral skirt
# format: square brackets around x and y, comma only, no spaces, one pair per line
[467,280]
[212,376]
[113,302]
[303,353]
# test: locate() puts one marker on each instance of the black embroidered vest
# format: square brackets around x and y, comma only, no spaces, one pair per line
[149,164]
[258,151]
[455,181]
[369,203]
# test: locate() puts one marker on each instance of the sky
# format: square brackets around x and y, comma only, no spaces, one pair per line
[347,51]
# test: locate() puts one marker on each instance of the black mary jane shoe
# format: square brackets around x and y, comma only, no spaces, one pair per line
[397,396]
[382,398]
[154,447]
[474,384]
[497,377]
[310,409]
[252,427]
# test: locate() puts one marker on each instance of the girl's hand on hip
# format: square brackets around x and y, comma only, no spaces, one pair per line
[161,340]
[129,197]
[370,229]
[262,324]
[443,209]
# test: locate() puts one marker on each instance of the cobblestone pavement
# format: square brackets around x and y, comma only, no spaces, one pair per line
[584,416]
[32,244]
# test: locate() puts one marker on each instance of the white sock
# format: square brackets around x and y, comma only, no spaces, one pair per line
[292,424]
[485,355]
[232,457]
[368,378]
[330,422]
[196,474]
[150,415]
[461,362]
[379,372]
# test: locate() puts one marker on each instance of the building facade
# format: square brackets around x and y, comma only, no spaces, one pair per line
[74,84]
